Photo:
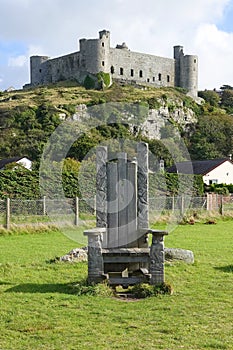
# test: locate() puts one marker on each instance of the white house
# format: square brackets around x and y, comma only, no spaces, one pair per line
[218,171]
[24,161]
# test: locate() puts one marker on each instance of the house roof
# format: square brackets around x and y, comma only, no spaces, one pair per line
[197,167]
[4,162]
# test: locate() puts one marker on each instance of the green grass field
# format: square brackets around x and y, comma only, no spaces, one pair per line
[40,307]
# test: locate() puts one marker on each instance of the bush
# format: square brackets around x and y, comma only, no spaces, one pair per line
[100,289]
[210,96]
[144,290]
[104,77]
[89,83]
[221,188]
[153,103]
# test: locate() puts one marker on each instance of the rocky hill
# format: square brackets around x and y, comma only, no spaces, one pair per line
[28,118]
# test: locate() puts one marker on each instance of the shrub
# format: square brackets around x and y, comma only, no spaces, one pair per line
[104,77]
[220,188]
[100,289]
[144,290]
[89,83]
[153,103]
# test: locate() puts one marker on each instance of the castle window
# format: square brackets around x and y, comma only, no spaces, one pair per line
[140,74]
[103,44]
[168,78]
[121,71]
[148,80]
[153,78]
[131,72]
[40,70]
[112,70]
[160,76]
[195,61]
[102,63]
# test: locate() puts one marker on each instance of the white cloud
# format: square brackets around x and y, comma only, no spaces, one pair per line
[215,50]
[18,61]
[36,50]
[52,28]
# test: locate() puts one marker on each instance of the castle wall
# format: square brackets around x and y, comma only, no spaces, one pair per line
[65,68]
[95,55]
[142,68]
[56,69]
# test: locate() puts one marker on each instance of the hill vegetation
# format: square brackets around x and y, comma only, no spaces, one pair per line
[29,117]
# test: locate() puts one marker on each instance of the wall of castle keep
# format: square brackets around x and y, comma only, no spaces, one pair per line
[64,68]
[142,68]
[96,55]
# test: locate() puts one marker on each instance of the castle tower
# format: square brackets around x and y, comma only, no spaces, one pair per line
[38,69]
[186,71]
[178,53]
[94,53]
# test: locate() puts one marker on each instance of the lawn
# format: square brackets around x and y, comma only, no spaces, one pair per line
[40,307]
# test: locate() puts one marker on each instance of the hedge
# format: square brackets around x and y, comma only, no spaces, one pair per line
[22,183]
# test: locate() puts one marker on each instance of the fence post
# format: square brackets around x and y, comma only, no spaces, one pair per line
[76,220]
[8,213]
[182,206]
[207,201]
[94,206]
[221,209]
[173,203]
[44,205]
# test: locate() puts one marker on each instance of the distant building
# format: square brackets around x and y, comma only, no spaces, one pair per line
[96,55]
[9,89]
[25,162]
[213,171]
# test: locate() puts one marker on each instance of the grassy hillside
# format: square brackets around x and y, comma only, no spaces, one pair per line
[62,94]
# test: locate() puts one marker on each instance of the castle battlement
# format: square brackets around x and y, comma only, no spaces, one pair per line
[96,55]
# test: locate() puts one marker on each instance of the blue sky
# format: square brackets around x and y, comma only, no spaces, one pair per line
[226,24]
[53,27]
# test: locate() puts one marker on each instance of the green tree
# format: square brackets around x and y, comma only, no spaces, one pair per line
[211,97]
[212,138]
[227,100]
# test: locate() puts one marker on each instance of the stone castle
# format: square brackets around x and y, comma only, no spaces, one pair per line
[96,55]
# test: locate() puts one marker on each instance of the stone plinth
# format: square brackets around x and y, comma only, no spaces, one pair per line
[95,257]
[157,257]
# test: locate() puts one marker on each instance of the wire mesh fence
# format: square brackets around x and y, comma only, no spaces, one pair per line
[69,210]
[2,211]
[227,204]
